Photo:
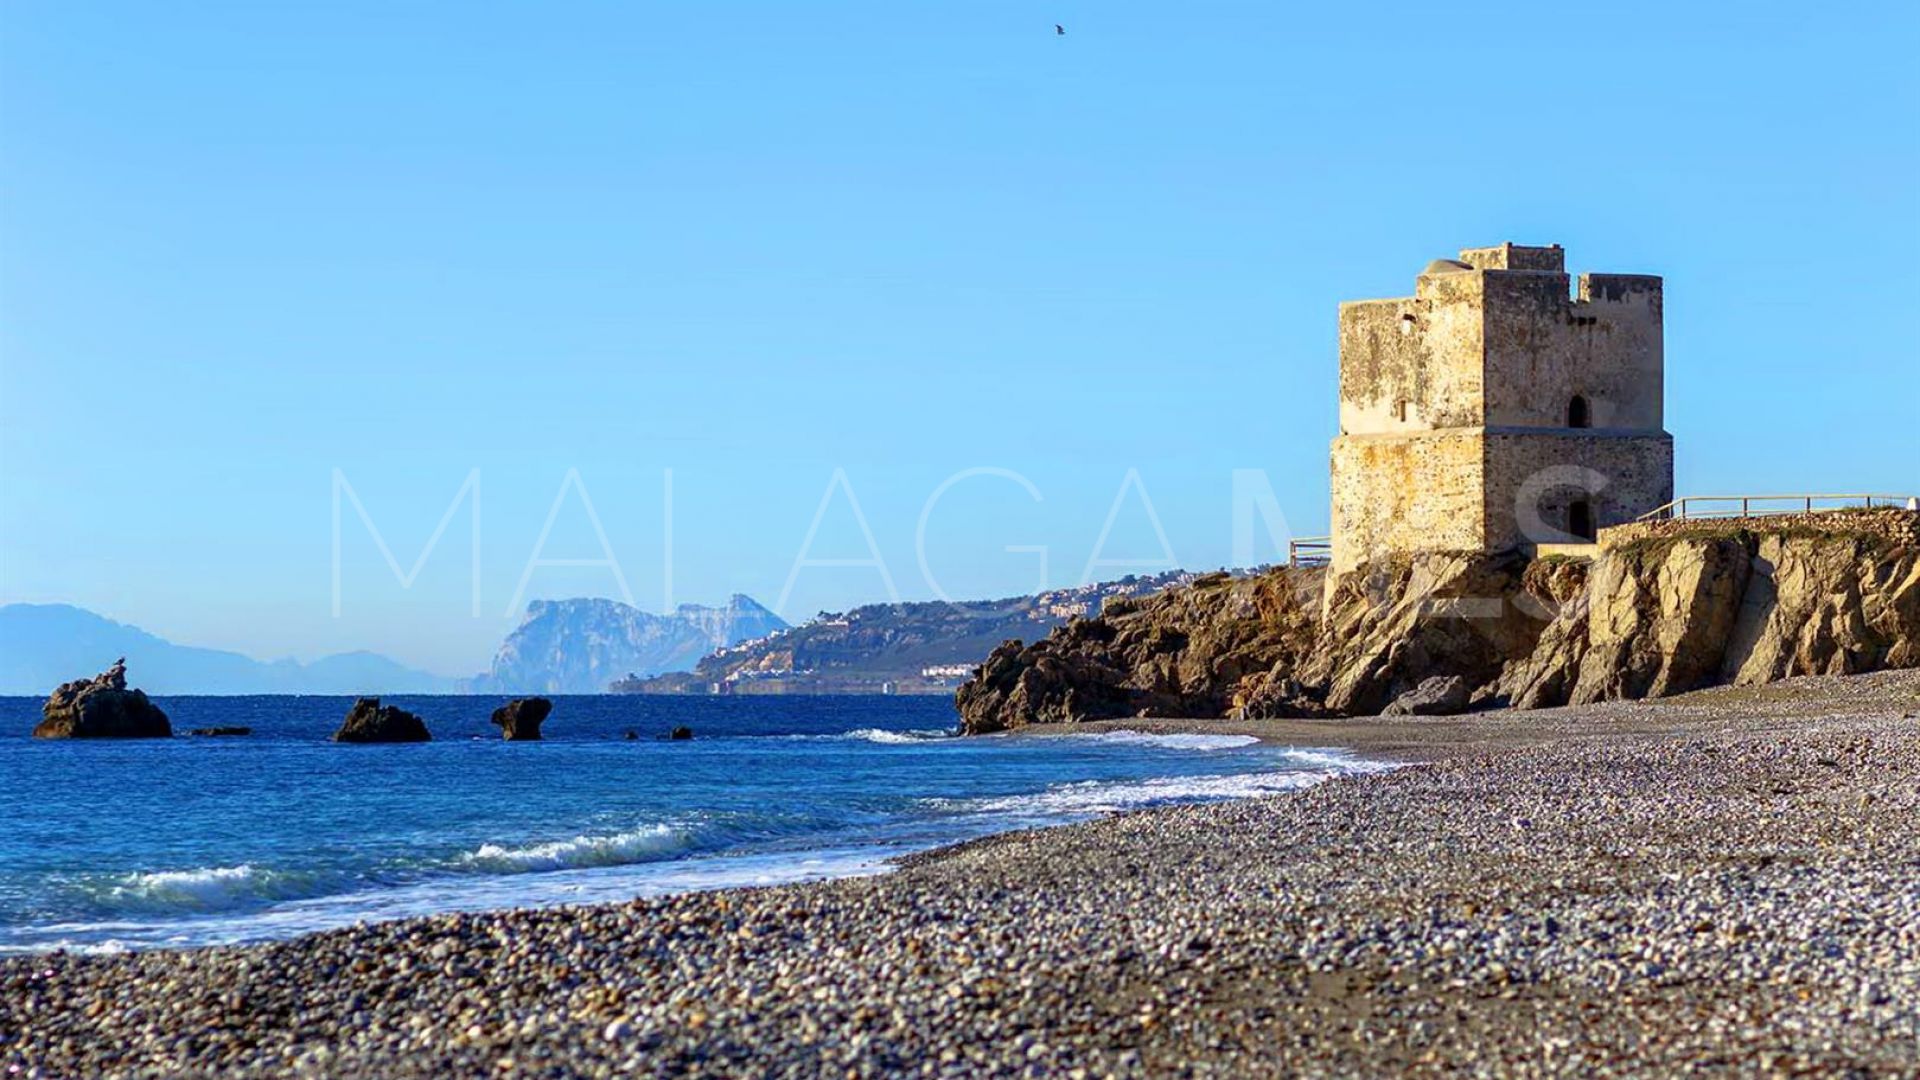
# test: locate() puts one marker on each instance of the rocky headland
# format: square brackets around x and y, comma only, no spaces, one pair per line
[1663,608]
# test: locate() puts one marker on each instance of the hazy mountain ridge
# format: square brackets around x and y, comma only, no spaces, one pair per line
[43,645]
[580,646]
[922,646]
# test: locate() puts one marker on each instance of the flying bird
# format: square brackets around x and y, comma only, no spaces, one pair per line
[1059,30]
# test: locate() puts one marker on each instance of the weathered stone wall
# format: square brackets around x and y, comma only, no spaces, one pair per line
[1532,478]
[1475,489]
[1414,363]
[1543,348]
[1406,493]
[1516,257]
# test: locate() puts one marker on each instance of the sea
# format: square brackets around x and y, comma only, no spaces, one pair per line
[108,845]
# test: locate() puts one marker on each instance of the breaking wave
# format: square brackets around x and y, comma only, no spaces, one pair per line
[875,735]
[1182,741]
[205,889]
[1100,796]
[619,849]
[881,735]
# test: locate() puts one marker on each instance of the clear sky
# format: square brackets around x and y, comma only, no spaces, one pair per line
[244,246]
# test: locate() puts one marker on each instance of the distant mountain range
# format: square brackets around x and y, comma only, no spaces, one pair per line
[582,646]
[924,647]
[585,646]
[44,645]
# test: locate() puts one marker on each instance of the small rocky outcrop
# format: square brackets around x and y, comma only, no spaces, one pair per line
[220,732]
[1442,695]
[371,722]
[1181,652]
[680,733]
[102,708]
[519,720]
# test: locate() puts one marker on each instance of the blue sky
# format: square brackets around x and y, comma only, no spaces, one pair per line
[245,246]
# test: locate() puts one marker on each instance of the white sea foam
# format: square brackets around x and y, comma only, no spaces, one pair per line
[1110,796]
[109,947]
[881,735]
[595,885]
[876,735]
[1102,796]
[1338,760]
[212,888]
[619,849]
[1181,741]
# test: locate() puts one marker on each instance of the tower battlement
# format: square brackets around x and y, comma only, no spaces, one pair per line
[1494,379]
[1516,257]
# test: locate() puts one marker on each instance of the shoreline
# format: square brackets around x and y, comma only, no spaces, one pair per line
[1727,877]
[1780,705]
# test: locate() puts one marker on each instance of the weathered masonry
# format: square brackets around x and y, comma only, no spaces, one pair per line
[1495,409]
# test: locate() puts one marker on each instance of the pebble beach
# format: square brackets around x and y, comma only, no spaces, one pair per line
[1728,881]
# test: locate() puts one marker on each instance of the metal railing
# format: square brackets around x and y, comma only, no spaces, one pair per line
[1310,551]
[1739,506]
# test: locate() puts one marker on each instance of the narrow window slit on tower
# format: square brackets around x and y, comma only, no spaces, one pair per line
[1580,519]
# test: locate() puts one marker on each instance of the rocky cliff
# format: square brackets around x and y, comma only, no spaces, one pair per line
[1666,608]
[1677,608]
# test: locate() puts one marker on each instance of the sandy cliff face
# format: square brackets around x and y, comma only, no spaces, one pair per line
[1674,608]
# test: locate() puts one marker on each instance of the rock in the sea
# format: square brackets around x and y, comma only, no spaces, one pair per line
[1442,695]
[680,733]
[214,732]
[102,708]
[519,720]
[371,722]
[632,735]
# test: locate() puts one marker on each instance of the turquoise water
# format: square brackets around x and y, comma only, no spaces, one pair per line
[132,844]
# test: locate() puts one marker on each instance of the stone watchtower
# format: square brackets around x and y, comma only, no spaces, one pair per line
[1493,410]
